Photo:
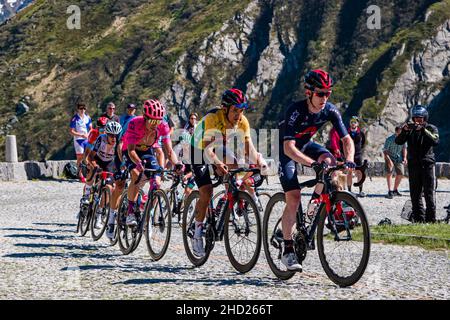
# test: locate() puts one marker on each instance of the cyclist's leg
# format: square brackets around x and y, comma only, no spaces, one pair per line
[291,187]
[320,154]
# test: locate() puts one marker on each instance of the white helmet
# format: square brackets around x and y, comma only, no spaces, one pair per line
[113,127]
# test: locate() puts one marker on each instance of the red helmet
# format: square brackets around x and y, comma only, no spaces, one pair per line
[234,97]
[318,79]
[101,122]
[154,109]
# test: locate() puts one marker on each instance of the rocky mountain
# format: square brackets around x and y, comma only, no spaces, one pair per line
[8,8]
[188,52]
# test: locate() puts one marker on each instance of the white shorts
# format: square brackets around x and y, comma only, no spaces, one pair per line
[79,145]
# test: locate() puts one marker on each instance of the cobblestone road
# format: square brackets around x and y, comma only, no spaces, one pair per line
[42,257]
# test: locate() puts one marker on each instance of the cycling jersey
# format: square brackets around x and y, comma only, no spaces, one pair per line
[300,125]
[136,132]
[104,150]
[214,123]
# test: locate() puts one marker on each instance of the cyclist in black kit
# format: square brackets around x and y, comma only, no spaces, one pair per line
[299,124]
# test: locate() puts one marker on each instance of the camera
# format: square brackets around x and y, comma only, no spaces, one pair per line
[411,125]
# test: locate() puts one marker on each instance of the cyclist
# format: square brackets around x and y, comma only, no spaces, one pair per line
[211,134]
[93,135]
[301,121]
[138,145]
[102,155]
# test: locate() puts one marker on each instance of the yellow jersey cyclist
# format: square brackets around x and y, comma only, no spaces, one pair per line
[209,147]
[138,145]
[298,125]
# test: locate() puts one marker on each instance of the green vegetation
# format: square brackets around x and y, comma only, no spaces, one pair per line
[429,236]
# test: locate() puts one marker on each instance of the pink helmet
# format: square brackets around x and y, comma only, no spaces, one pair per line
[154,109]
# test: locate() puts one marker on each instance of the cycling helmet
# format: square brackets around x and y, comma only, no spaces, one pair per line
[318,79]
[113,127]
[154,109]
[419,111]
[102,121]
[234,97]
[354,119]
[385,222]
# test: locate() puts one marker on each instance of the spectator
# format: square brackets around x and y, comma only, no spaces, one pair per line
[359,140]
[126,117]
[110,112]
[421,137]
[190,125]
[395,159]
[80,126]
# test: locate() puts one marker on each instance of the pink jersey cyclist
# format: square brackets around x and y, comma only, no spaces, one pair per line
[145,144]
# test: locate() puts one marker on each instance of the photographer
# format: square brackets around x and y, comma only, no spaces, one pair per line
[421,137]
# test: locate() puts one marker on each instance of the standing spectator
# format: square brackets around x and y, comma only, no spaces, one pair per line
[421,137]
[359,140]
[126,117]
[80,126]
[111,112]
[190,125]
[395,159]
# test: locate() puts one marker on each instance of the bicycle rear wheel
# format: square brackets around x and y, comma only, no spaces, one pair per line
[343,239]
[188,229]
[129,237]
[100,215]
[158,225]
[242,234]
[84,219]
[272,232]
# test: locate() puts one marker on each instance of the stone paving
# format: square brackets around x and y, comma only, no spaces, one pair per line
[42,257]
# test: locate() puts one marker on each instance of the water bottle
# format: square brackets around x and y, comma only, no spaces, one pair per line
[142,202]
[219,206]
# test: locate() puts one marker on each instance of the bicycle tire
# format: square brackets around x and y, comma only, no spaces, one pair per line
[358,273]
[168,225]
[85,220]
[126,245]
[243,267]
[267,235]
[196,261]
[104,191]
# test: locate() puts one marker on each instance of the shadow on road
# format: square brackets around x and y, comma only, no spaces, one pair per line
[37,236]
[59,255]
[36,230]
[257,282]
[65,246]
[55,224]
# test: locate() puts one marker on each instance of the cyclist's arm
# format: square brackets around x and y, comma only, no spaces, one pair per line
[292,152]
[167,145]
[119,151]
[133,154]
[91,159]
[349,148]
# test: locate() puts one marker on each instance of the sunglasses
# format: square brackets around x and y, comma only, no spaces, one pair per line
[112,135]
[242,105]
[322,94]
[82,108]
[153,121]
[193,118]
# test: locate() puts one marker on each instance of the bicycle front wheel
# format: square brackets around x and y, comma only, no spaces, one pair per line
[100,216]
[343,239]
[158,225]
[242,234]
[188,230]
[273,236]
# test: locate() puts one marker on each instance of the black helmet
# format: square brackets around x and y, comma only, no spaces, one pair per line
[384,222]
[419,111]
